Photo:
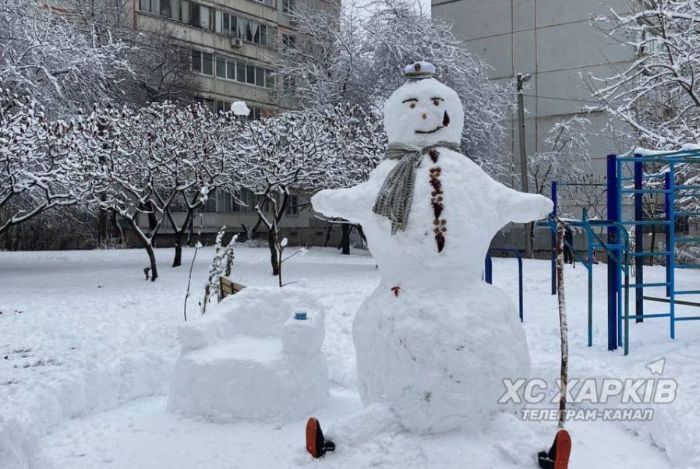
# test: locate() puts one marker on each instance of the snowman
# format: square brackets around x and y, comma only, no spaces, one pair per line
[433,342]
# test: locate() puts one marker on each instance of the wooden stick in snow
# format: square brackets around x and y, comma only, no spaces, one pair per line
[563,326]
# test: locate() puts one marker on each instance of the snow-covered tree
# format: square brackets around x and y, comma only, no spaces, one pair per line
[45,55]
[565,155]
[79,53]
[141,161]
[38,171]
[658,94]
[353,56]
[303,152]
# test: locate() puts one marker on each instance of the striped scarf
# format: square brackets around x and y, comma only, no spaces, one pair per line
[396,194]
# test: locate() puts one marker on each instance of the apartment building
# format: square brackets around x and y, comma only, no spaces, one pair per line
[560,45]
[230,43]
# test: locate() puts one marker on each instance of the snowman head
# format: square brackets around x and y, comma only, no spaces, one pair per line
[423,111]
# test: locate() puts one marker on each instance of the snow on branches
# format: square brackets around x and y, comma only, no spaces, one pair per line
[38,168]
[304,151]
[565,155]
[346,55]
[142,162]
[658,94]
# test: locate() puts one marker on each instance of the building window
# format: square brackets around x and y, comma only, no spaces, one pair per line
[269,79]
[288,7]
[293,205]
[260,76]
[150,6]
[196,61]
[288,41]
[205,17]
[210,19]
[248,198]
[218,21]
[168,8]
[231,69]
[288,84]
[185,11]
[207,64]
[250,74]
[220,67]
[210,205]
[240,75]
[224,201]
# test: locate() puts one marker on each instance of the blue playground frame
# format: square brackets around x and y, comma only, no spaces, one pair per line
[488,273]
[662,180]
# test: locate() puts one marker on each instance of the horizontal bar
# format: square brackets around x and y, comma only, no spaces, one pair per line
[666,300]
[687,292]
[687,266]
[687,188]
[688,239]
[648,316]
[649,254]
[687,214]
[645,191]
[646,222]
[687,318]
[649,285]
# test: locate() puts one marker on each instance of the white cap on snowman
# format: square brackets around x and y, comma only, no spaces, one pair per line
[423,111]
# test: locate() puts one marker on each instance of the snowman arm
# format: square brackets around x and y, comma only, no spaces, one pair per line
[519,207]
[342,203]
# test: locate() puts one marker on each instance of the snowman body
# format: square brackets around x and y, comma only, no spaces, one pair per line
[433,341]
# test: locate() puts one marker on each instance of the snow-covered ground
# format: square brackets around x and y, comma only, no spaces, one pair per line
[87,349]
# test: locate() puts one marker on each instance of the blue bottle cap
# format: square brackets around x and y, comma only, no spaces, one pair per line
[300,315]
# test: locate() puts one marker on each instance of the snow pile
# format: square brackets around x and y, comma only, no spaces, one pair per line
[254,357]
[433,342]
[240,108]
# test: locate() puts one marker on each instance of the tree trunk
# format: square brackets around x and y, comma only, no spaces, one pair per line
[328,234]
[117,228]
[102,232]
[180,235]
[177,261]
[149,249]
[152,260]
[274,256]
[361,232]
[346,238]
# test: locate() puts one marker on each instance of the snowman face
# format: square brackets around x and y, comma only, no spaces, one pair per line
[422,113]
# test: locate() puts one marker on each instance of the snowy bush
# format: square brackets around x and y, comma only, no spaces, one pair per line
[221,266]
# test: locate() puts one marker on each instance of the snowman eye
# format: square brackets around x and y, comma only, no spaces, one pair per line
[412,102]
[436,101]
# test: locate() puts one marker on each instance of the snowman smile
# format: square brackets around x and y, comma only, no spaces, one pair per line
[445,123]
[429,131]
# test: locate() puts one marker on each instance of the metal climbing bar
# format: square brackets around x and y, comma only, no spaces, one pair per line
[660,177]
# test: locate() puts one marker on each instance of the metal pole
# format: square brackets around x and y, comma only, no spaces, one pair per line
[521,79]
[488,270]
[613,238]
[554,241]
[639,239]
